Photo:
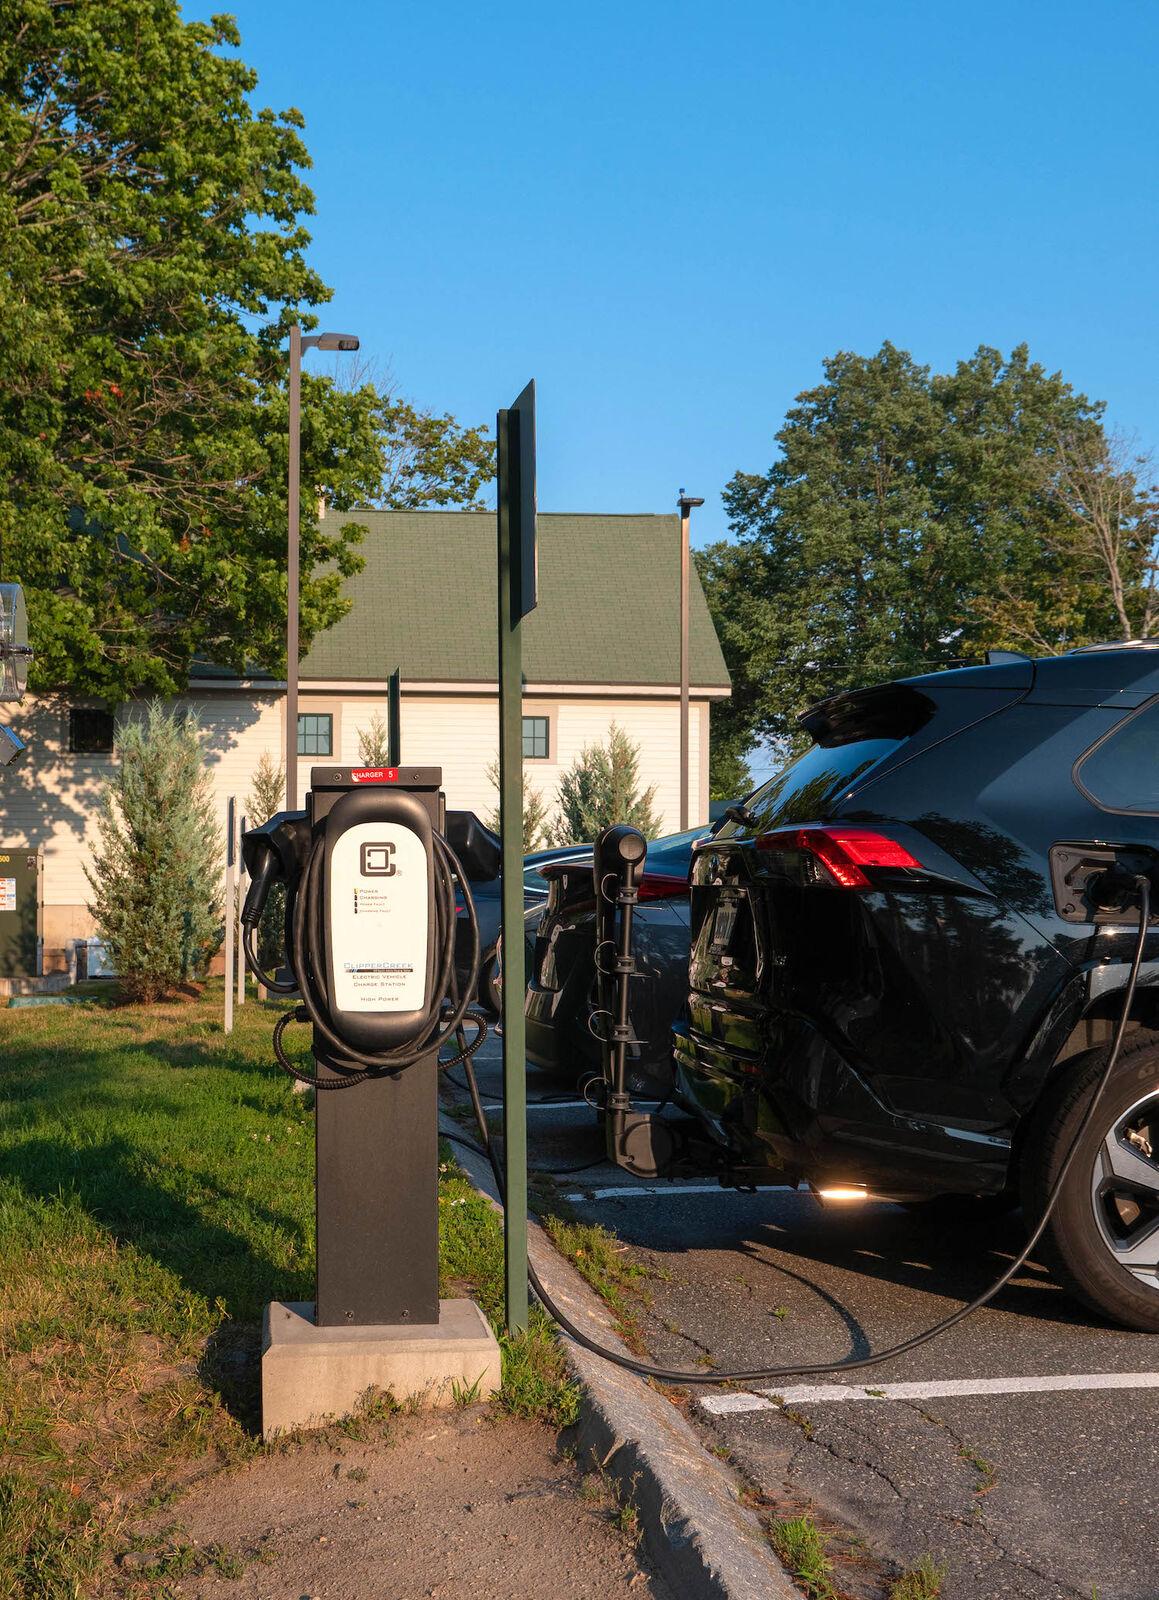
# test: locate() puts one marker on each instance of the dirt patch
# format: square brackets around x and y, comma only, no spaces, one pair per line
[459,1506]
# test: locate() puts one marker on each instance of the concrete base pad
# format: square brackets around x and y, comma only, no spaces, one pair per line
[311,1375]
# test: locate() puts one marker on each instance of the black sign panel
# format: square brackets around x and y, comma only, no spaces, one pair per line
[516,439]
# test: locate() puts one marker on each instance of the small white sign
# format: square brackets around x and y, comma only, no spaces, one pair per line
[7,894]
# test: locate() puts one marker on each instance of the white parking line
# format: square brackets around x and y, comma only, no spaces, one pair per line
[720,1405]
[641,1191]
[549,1105]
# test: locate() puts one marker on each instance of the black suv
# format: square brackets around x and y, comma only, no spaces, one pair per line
[905,971]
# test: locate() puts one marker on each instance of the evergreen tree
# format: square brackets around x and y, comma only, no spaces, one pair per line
[601,787]
[374,743]
[536,832]
[156,874]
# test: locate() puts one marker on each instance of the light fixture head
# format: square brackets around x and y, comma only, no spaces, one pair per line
[12,746]
[687,501]
[333,341]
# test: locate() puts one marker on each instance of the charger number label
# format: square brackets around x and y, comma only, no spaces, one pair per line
[378,919]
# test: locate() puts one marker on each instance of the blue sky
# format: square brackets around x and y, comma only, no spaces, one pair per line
[669,214]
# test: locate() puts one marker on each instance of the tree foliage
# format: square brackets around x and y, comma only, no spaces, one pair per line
[152,258]
[729,777]
[156,872]
[374,742]
[1108,532]
[536,811]
[602,786]
[911,520]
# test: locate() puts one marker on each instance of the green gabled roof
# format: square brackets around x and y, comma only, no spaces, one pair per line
[608,612]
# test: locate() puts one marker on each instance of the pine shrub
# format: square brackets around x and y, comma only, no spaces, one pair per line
[374,743]
[156,871]
[602,786]
[536,831]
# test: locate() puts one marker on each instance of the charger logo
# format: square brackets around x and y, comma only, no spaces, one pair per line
[378,861]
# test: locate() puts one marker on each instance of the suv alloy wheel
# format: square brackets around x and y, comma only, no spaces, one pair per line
[1103,1238]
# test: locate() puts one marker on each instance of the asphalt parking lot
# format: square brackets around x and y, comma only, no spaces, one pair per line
[1021,1449]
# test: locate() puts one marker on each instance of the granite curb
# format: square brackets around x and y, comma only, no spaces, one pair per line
[695,1528]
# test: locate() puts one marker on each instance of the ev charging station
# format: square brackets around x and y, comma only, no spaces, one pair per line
[371,882]
[372,867]
[377,1198]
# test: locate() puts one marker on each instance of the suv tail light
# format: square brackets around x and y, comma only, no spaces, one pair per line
[842,852]
[662,886]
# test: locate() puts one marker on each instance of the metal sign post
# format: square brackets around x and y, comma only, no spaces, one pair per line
[240,896]
[230,906]
[515,435]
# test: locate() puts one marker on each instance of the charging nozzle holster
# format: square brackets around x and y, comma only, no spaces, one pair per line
[637,1141]
[272,853]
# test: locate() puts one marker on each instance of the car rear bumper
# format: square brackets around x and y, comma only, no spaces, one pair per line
[809,1112]
[550,1046]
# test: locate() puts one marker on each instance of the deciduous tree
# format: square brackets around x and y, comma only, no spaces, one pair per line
[152,258]
[910,520]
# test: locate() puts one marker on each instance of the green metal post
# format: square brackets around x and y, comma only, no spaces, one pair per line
[394,717]
[511,829]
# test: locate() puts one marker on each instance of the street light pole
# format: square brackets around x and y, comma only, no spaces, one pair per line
[685,503]
[292,585]
[298,343]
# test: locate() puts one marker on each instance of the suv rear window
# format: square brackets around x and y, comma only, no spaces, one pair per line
[804,791]
[1121,772]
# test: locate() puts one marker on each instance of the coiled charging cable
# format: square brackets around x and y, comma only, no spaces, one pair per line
[645,1369]
[448,1010]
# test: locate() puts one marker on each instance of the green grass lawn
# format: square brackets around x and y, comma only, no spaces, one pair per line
[156,1190]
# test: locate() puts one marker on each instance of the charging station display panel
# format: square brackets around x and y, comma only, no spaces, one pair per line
[379,919]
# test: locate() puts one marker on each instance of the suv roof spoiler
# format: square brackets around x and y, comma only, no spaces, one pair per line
[887,711]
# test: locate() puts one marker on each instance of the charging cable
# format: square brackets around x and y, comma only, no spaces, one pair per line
[305,952]
[645,1369]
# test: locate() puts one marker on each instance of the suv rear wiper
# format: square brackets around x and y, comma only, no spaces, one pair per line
[742,816]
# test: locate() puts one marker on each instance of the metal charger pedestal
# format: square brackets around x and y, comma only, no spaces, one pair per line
[377,1198]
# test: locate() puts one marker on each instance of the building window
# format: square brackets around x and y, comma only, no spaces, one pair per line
[315,734]
[535,743]
[90,731]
